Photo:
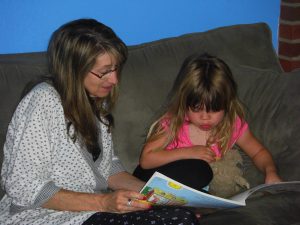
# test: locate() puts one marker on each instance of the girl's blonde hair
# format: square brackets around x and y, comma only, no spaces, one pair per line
[203,82]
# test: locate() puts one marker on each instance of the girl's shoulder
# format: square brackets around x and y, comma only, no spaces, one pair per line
[240,123]
[165,120]
[239,127]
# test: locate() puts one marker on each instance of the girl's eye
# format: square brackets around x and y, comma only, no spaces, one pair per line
[197,109]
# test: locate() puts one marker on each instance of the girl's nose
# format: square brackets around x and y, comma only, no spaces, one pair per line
[204,115]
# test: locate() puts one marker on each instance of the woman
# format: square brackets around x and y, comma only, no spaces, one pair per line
[59,165]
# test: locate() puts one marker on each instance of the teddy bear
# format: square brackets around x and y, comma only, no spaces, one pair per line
[228,177]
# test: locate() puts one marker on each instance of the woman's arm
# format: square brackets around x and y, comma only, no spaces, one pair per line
[65,200]
[153,155]
[126,186]
[260,156]
[125,181]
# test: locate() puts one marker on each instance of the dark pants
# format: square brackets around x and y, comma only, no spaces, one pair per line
[156,215]
[191,172]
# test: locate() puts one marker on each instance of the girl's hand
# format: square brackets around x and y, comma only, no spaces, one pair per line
[272,177]
[122,201]
[203,152]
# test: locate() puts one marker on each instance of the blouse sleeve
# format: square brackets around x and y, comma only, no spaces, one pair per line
[110,163]
[26,172]
[117,166]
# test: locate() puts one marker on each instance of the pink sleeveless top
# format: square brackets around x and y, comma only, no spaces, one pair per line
[185,141]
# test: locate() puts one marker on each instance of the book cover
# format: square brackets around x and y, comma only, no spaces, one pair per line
[162,190]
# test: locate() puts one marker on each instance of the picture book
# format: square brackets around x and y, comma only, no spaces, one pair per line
[162,190]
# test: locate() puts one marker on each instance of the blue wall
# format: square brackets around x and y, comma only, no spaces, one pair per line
[26,25]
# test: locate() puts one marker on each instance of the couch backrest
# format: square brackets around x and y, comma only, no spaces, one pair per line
[147,77]
[152,67]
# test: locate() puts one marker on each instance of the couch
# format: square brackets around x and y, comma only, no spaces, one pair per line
[272,98]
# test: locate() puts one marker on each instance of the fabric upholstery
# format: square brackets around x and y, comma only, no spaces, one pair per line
[280,209]
[271,96]
[271,102]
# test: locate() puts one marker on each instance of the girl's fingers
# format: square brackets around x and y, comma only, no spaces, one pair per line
[209,158]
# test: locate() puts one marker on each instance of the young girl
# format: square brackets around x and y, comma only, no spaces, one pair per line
[203,119]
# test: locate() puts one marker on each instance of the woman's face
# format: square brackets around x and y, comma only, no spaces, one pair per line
[102,77]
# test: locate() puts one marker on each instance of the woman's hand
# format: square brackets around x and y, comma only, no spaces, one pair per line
[121,202]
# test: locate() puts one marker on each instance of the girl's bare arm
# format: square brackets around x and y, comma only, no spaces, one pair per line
[153,155]
[260,156]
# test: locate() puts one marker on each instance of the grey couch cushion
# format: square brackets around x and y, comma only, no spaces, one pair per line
[280,209]
[272,114]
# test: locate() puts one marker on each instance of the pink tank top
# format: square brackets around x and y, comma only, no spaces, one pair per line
[184,140]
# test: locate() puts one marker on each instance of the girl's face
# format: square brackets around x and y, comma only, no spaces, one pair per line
[205,120]
[102,77]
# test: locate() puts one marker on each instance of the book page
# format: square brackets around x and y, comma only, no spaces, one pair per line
[270,188]
[162,190]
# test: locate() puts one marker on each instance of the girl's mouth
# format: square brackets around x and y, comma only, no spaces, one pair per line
[205,127]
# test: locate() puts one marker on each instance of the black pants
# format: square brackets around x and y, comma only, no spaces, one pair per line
[191,172]
[157,215]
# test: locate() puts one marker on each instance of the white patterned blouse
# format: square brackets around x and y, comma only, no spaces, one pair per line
[40,159]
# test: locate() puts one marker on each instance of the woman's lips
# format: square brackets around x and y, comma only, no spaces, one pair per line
[108,88]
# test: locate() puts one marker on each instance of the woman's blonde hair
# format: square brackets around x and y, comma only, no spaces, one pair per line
[203,82]
[72,52]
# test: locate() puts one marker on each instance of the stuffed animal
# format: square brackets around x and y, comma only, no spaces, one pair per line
[228,177]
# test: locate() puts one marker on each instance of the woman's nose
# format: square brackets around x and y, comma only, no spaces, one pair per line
[113,77]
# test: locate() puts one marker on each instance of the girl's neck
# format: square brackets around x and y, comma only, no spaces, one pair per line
[198,136]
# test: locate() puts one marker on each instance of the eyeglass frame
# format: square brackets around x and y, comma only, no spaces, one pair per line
[101,75]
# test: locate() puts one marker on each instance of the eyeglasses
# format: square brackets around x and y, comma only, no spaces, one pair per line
[101,75]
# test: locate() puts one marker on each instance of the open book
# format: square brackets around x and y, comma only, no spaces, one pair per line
[162,190]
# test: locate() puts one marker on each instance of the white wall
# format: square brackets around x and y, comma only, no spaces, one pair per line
[26,25]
